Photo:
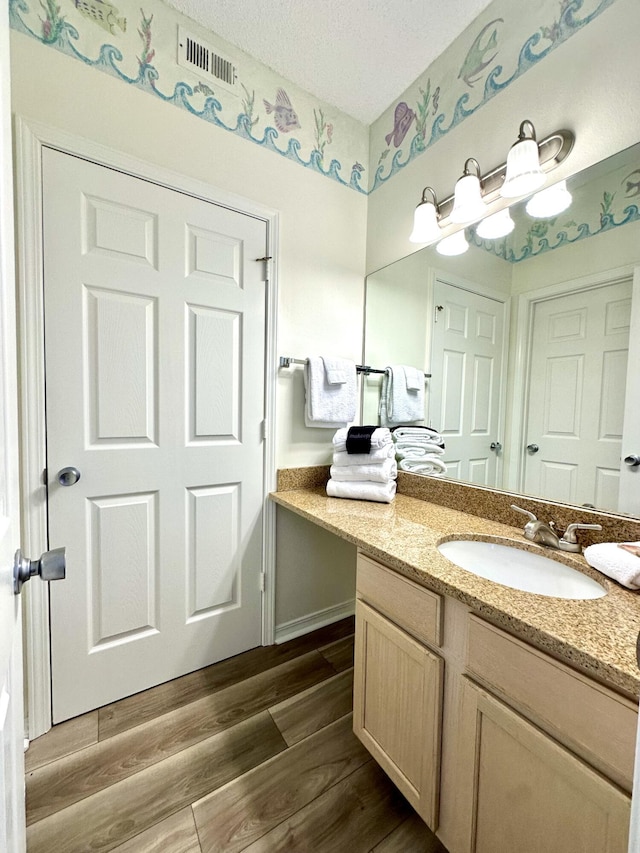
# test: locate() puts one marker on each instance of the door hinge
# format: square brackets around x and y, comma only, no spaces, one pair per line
[262,582]
[45,476]
[263,429]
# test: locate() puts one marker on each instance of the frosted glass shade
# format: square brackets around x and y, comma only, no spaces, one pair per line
[498,225]
[425,224]
[523,174]
[549,202]
[467,204]
[456,244]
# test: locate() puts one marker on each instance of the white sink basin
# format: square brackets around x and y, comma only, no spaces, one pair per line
[520,569]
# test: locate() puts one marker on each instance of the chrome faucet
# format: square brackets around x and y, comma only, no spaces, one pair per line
[545,534]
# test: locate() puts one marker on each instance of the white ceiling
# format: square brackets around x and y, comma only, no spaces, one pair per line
[359,55]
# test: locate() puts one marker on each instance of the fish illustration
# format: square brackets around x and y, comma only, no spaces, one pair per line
[103,13]
[632,188]
[357,167]
[402,118]
[475,63]
[284,115]
[203,89]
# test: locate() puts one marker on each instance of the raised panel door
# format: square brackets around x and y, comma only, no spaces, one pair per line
[398,706]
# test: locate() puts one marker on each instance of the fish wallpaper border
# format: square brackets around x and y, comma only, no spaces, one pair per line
[539,243]
[324,126]
[559,31]
[59,33]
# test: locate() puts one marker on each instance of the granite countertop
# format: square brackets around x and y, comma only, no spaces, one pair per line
[598,635]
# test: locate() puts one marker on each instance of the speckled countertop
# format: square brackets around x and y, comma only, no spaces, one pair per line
[598,636]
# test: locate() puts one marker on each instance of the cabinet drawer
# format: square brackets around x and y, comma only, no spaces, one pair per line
[416,609]
[592,720]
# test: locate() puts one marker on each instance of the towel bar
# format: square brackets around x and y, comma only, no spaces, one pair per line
[287,361]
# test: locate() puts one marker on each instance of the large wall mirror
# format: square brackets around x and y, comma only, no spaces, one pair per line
[533,345]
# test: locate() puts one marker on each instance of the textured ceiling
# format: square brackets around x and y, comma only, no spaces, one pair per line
[358,55]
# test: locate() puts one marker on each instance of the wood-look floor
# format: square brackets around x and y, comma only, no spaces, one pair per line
[255,753]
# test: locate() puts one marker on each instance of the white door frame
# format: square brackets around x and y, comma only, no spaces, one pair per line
[31,138]
[525,306]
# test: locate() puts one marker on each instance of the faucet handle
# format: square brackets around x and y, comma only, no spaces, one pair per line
[526,512]
[570,533]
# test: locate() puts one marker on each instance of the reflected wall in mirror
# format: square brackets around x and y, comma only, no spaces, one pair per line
[533,343]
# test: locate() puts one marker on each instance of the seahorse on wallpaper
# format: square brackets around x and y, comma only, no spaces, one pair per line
[475,62]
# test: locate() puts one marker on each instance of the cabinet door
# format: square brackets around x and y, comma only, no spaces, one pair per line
[397,707]
[523,791]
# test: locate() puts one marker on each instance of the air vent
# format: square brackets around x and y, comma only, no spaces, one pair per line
[196,55]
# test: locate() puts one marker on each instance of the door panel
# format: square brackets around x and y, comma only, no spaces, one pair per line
[155,329]
[464,404]
[579,357]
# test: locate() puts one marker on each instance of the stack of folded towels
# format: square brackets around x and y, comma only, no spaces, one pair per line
[620,561]
[419,449]
[364,466]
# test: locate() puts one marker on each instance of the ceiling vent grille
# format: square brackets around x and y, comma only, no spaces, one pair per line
[196,55]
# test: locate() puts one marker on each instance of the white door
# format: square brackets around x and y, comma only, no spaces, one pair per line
[573,433]
[629,496]
[467,382]
[154,342]
[12,821]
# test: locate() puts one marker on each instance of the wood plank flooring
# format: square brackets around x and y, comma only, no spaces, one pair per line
[254,754]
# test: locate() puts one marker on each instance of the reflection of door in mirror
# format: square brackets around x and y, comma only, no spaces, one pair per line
[467,365]
[578,368]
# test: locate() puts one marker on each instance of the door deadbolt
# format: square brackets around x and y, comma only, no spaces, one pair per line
[51,566]
[68,476]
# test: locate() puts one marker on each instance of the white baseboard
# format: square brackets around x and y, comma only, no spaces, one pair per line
[305,624]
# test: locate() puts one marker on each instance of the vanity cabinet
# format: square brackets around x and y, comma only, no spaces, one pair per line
[398,683]
[499,746]
[526,792]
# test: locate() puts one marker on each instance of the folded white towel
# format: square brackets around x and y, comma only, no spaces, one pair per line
[374,472]
[408,448]
[414,378]
[329,405]
[335,369]
[426,465]
[422,433]
[362,491]
[380,437]
[615,562]
[398,404]
[377,456]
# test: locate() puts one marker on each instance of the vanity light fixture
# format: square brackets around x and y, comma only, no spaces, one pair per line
[550,201]
[455,244]
[497,225]
[523,174]
[468,205]
[425,219]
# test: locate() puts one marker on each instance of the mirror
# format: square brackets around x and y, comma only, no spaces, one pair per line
[527,339]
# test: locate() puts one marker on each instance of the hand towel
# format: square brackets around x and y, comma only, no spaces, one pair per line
[615,562]
[376,457]
[362,491]
[327,405]
[380,437]
[421,433]
[426,465]
[399,405]
[409,449]
[335,369]
[374,472]
[414,378]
